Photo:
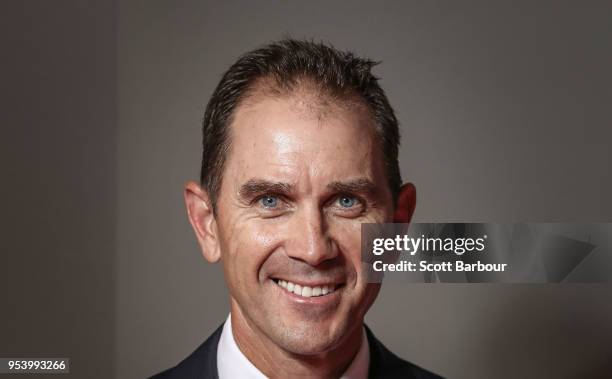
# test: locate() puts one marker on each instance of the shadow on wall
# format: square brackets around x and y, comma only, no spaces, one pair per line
[557,331]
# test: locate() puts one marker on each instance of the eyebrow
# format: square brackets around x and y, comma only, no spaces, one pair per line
[254,187]
[360,185]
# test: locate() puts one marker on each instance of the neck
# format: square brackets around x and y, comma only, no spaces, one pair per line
[273,361]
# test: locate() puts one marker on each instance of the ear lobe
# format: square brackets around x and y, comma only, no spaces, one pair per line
[406,202]
[202,219]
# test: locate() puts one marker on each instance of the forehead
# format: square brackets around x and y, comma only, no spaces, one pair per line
[301,138]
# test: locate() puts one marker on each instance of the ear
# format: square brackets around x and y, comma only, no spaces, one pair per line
[202,219]
[406,202]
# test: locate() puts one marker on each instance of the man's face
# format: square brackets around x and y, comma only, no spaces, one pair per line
[300,178]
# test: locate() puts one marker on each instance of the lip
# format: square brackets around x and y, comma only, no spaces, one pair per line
[307,283]
[322,301]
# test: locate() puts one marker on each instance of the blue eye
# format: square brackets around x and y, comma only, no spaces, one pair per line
[269,201]
[347,202]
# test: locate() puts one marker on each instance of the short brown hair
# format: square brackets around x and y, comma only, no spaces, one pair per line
[286,62]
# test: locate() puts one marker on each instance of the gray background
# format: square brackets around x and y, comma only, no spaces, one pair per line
[505,116]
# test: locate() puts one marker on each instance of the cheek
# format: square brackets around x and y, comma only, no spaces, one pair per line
[248,246]
[347,234]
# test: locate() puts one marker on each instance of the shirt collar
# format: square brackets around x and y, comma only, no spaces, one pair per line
[232,363]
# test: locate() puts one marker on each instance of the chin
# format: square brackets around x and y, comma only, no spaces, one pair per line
[308,338]
[308,343]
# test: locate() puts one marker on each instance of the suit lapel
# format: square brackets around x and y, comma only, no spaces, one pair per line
[201,364]
[386,365]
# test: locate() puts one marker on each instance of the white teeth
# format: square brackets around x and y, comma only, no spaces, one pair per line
[306,291]
[297,289]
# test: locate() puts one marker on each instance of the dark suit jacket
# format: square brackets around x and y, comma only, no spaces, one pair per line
[202,363]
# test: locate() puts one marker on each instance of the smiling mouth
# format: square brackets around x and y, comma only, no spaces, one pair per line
[306,291]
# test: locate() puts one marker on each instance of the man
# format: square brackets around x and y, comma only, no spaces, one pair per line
[300,148]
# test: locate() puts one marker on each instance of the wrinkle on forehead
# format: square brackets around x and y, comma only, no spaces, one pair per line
[304,141]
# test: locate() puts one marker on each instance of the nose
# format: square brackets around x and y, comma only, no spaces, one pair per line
[310,241]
